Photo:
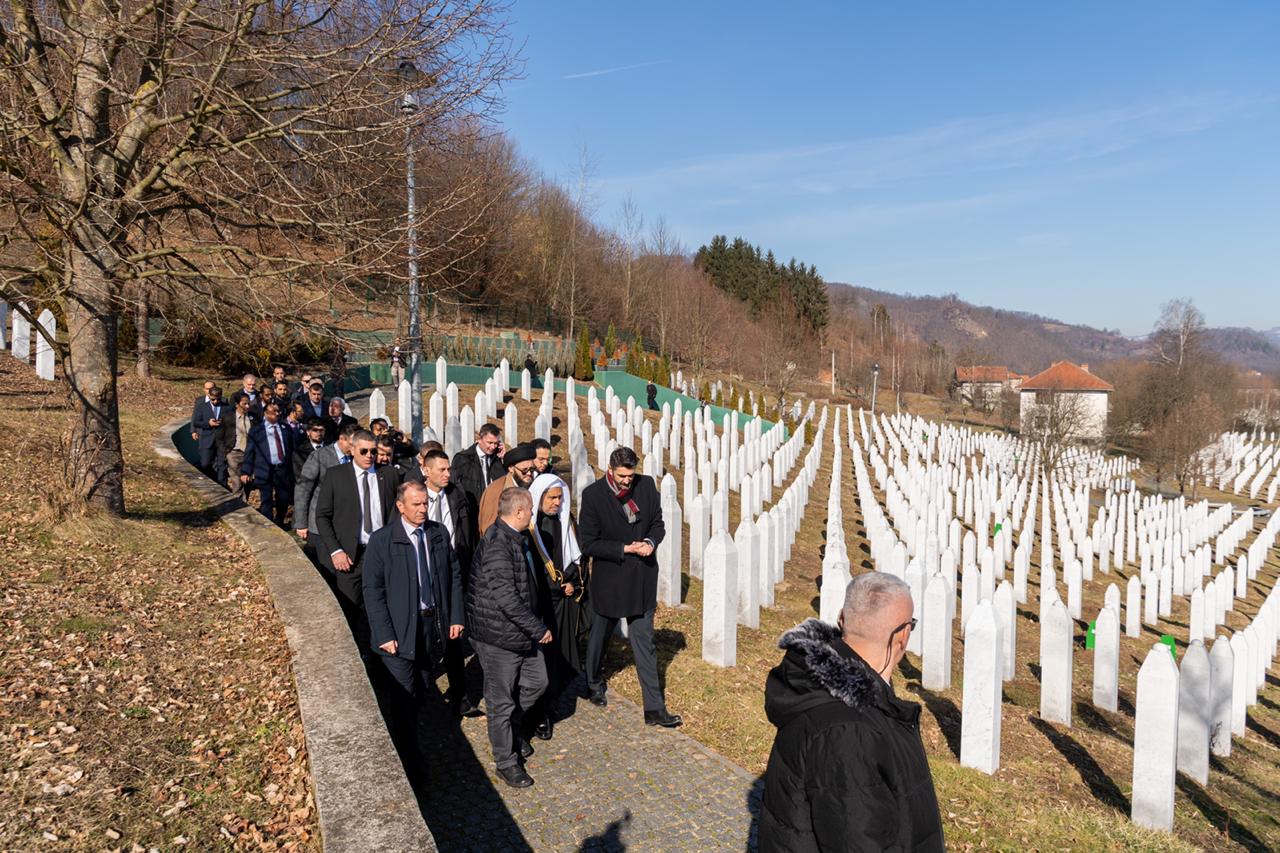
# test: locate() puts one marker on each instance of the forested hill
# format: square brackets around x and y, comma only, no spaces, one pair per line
[1027,343]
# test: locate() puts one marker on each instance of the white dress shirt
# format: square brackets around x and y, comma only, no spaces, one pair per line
[368,478]
[438,510]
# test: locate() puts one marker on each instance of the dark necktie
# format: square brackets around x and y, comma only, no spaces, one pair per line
[275,433]
[488,468]
[426,594]
[365,505]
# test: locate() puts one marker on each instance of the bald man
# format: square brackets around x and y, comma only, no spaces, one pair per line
[848,769]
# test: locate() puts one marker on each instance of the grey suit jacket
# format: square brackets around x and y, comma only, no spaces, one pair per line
[308,486]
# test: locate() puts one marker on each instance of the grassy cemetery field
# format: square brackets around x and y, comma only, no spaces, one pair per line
[1057,786]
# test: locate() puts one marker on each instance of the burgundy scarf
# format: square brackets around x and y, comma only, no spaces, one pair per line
[623,496]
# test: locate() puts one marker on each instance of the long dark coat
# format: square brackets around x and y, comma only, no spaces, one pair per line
[621,584]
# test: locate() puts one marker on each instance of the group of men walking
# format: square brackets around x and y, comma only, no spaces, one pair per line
[434,558]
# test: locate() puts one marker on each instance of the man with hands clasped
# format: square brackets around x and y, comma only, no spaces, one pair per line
[619,526]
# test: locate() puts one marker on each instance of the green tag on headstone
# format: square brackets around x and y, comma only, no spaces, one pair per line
[1167,639]
[1091,638]
[997,530]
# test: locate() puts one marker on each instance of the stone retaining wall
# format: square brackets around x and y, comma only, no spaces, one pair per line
[364,801]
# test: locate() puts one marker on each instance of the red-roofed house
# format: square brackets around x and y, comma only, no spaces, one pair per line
[1066,391]
[982,385]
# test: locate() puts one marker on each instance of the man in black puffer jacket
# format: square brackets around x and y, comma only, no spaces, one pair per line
[848,770]
[506,631]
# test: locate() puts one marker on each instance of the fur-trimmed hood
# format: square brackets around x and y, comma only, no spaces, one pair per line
[818,668]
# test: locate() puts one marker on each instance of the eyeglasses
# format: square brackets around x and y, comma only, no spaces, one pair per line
[910,624]
[523,472]
[364,451]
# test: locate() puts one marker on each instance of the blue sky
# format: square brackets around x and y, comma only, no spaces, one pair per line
[1085,161]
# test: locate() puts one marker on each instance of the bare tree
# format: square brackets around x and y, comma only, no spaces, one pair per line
[1057,421]
[1179,332]
[210,150]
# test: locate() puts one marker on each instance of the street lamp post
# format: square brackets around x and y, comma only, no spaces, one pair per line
[875,378]
[409,107]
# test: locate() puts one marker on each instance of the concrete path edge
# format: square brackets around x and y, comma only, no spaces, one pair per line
[363,799]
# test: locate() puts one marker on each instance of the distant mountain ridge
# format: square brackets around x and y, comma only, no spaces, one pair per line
[1029,343]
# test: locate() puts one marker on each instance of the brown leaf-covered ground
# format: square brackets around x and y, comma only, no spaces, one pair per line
[148,700]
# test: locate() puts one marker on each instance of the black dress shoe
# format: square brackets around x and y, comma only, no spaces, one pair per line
[515,776]
[466,708]
[526,749]
[544,730]
[597,697]
[662,718]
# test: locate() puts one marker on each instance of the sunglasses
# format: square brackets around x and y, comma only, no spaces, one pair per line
[910,625]
[523,472]
[369,451]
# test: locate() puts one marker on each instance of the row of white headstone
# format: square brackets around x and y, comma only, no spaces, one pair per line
[20,341]
[987,624]
[739,572]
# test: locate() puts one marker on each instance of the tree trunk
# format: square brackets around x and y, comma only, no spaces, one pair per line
[143,310]
[92,355]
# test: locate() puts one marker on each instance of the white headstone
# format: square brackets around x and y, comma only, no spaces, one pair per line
[404,406]
[764,526]
[699,519]
[720,601]
[670,549]
[1222,671]
[1155,740]
[983,685]
[526,385]
[1239,683]
[511,425]
[935,662]
[1057,647]
[377,404]
[1007,615]
[442,374]
[44,352]
[1133,608]
[1195,705]
[4,325]
[21,334]
[747,542]
[1106,659]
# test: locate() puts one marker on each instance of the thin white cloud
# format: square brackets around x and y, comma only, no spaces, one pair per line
[961,146]
[600,72]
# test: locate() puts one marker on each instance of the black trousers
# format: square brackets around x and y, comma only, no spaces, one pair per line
[412,679]
[350,588]
[640,631]
[276,494]
[213,462]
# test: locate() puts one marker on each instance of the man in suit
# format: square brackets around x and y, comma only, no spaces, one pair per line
[448,507]
[308,486]
[203,398]
[507,632]
[312,440]
[336,419]
[478,466]
[235,440]
[268,464]
[541,455]
[313,401]
[355,500]
[206,423]
[413,597]
[619,528]
[521,469]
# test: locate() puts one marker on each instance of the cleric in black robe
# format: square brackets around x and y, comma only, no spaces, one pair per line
[555,547]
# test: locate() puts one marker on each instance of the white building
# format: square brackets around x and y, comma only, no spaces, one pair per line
[1066,400]
[982,386]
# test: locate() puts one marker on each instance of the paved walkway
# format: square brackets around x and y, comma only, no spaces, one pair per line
[606,782]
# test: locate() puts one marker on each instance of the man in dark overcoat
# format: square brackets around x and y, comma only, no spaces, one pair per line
[619,528]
